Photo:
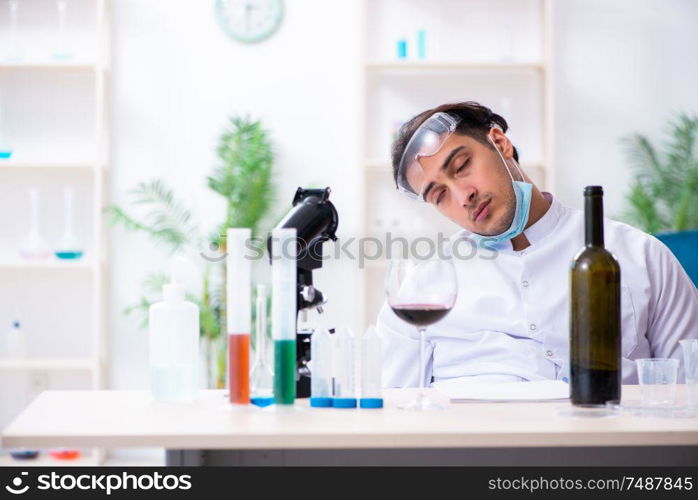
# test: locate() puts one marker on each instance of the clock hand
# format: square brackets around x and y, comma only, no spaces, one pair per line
[248,13]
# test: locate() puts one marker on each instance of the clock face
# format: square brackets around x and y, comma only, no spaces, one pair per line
[249,20]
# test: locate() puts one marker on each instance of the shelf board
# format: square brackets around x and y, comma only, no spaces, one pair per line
[452,65]
[50,64]
[63,364]
[46,165]
[48,264]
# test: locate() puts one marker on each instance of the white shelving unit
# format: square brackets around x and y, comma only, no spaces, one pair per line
[47,167]
[43,65]
[61,302]
[67,364]
[496,52]
[450,65]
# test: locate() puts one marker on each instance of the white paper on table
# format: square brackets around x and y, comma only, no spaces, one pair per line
[462,390]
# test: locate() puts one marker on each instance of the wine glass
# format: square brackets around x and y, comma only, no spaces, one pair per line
[421,292]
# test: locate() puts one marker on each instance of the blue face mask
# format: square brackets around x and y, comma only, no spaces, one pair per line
[522,191]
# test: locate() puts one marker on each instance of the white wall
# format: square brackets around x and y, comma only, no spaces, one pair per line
[622,66]
[176,76]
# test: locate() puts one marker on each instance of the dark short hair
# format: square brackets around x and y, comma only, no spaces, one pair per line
[476,121]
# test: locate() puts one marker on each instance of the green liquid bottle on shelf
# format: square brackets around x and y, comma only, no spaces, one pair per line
[595,333]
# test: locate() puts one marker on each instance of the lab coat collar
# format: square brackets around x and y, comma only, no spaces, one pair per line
[546,224]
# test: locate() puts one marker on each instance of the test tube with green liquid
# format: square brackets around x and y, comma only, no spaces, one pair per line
[283,314]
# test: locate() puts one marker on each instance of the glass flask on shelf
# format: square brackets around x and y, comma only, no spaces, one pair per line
[69,246]
[62,51]
[13,53]
[5,149]
[34,245]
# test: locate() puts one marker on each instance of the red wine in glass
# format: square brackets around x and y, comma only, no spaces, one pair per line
[420,314]
[421,293]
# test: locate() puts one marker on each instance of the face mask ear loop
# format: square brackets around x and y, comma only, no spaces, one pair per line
[523,179]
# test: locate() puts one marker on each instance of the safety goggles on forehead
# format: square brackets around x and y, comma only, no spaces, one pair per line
[426,141]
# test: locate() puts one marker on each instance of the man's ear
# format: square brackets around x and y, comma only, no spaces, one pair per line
[502,142]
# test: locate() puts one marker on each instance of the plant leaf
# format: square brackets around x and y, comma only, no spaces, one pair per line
[243,177]
[664,195]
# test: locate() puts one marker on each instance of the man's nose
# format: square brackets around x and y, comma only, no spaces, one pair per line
[466,196]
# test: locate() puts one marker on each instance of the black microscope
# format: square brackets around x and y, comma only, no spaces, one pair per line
[315,219]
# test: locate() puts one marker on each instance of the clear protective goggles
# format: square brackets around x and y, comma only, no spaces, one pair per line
[426,141]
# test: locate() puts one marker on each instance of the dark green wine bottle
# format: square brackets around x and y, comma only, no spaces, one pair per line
[595,335]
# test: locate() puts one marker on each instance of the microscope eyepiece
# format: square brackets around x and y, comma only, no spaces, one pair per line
[315,219]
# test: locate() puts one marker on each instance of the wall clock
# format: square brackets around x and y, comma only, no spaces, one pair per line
[249,21]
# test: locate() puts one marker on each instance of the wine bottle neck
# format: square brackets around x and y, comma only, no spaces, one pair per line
[593,220]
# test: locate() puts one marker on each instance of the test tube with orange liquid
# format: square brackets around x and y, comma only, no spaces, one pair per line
[238,291]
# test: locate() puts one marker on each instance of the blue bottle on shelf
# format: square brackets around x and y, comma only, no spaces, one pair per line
[421,44]
[402,48]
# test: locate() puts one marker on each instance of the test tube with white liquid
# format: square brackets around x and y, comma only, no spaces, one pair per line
[344,379]
[321,359]
[371,386]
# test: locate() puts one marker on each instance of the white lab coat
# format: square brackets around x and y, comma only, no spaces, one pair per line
[511,318]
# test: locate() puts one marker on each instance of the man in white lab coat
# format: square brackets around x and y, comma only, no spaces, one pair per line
[511,318]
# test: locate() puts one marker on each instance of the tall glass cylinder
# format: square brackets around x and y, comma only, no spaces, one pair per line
[261,376]
[283,314]
[239,312]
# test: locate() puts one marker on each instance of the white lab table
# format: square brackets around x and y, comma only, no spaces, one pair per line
[210,432]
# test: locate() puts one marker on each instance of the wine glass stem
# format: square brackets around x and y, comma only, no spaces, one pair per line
[422,367]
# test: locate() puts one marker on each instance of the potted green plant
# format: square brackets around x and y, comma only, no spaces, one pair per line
[243,179]
[663,199]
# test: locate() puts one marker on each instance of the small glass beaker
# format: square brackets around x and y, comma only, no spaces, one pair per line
[657,378]
[690,364]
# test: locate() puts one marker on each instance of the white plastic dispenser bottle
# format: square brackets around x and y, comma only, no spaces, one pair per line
[174,345]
